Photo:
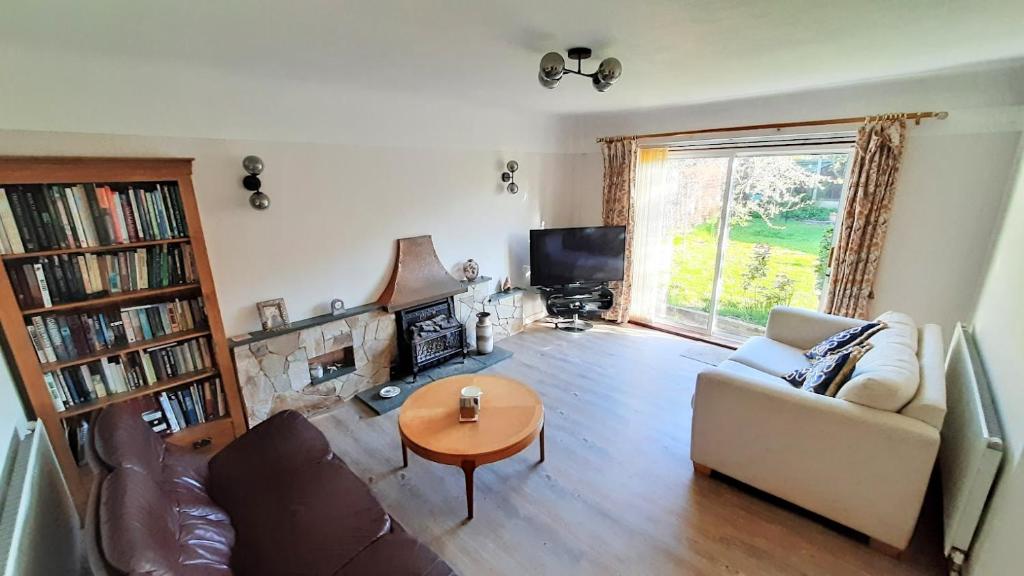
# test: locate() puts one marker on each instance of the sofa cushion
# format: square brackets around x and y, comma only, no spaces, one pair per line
[769,356]
[845,339]
[752,373]
[887,376]
[296,508]
[828,375]
[143,530]
[122,439]
[396,555]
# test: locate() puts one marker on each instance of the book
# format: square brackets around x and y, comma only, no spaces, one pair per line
[11,231]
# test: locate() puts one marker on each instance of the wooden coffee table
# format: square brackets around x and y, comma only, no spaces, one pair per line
[511,417]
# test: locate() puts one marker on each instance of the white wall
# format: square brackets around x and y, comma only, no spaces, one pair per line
[337,209]
[999,332]
[952,184]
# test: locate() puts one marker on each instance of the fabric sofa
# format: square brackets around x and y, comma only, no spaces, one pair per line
[862,458]
[274,501]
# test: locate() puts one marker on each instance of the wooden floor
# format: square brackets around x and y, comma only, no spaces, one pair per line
[617,494]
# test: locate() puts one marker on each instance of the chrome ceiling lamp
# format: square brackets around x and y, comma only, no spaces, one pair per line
[552,68]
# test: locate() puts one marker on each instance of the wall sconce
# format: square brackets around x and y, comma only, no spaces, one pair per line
[510,177]
[254,166]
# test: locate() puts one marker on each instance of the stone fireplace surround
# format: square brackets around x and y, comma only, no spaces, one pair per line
[273,367]
[273,372]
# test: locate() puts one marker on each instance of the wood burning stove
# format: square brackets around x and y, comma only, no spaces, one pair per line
[428,335]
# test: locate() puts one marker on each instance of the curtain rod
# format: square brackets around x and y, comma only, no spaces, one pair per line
[915,116]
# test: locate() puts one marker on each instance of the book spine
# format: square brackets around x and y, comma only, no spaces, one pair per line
[23,221]
[10,225]
[44,286]
[165,405]
[99,224]
[51,387]
[57,200]
[41,218]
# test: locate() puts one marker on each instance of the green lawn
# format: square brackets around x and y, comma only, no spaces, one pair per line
[794,253]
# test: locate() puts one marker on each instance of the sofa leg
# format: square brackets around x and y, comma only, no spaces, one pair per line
[887,549]
[702,469]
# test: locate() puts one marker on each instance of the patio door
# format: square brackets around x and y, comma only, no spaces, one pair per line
[750,229]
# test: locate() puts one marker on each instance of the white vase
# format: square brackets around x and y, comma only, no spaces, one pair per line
[484,333]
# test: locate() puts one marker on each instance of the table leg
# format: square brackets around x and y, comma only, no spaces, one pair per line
[405,456]
[541,442]
[468,467]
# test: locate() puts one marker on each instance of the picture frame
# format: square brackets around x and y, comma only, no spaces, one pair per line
[273,314]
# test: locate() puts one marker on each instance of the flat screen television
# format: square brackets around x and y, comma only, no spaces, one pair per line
[562,256]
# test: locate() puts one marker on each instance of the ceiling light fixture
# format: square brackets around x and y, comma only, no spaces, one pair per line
[552,68]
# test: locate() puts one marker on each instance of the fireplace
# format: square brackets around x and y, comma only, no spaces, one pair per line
[420,294]
[428,335]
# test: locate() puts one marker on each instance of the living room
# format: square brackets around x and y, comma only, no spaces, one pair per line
[302,153]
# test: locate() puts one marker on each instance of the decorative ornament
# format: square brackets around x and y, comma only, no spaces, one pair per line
[471,270]
[506,284]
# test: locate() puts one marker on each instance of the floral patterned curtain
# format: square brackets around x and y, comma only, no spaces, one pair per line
[865,219]
[617,210]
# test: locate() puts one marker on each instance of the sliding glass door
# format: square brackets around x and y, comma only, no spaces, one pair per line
[749,230]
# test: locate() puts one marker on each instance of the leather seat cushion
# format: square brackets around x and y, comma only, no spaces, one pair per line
[122,439]
[296,508]
[770,356]
[143,531]
[396,555]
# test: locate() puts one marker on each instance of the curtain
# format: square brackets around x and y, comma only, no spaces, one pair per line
[617,210]
[865,219]
[652,233]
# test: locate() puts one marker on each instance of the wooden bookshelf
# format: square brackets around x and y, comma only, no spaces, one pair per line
[133,347]
[119,298]
[24,361]
[94,249]
[187,378]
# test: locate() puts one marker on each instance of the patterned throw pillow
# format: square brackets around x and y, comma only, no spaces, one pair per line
[827,375]
[845,339]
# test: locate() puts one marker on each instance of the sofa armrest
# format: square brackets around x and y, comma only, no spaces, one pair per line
[865,468]
[805,328]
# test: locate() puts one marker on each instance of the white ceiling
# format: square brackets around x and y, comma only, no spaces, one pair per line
[486,52]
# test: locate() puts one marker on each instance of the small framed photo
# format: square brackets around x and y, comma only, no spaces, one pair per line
[273,314]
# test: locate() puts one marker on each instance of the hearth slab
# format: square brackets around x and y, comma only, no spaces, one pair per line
[454,367]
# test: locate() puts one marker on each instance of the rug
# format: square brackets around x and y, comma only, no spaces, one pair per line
[473,363]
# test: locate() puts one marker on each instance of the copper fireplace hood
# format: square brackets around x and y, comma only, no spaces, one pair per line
[418,277]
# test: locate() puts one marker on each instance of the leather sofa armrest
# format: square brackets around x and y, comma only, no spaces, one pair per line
[805,328]
[863,467]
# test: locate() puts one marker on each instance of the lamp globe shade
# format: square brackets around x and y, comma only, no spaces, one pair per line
[601,86]
[552,66]
[549,84]
[609,70]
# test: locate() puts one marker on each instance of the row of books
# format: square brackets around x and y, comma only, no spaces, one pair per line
[107,376]
[67,278]
[190,405]
[62,338]
[46,217]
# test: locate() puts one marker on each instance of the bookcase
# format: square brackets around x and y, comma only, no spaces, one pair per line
[106,296]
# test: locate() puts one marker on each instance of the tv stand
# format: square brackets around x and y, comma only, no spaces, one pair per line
[572,303]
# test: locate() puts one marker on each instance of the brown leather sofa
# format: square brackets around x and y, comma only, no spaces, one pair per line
[275,501]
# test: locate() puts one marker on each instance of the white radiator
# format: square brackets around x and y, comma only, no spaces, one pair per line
[38,525]
[971,449]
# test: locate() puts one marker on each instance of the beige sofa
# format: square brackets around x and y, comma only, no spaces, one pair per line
[863,458]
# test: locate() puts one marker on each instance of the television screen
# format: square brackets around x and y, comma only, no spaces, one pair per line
[573,255]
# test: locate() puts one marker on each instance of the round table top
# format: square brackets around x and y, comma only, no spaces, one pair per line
[511,415]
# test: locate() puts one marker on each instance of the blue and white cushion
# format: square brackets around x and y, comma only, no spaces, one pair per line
[845,339]
[827,375]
